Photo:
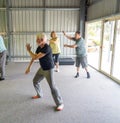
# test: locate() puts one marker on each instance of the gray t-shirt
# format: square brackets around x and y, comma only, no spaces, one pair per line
[80,49]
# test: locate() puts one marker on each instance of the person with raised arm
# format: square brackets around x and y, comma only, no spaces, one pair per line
[81,54]
[44,54]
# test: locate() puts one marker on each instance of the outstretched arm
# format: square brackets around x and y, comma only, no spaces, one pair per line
[69,37]
[70,46]
[29,66]
[54,41]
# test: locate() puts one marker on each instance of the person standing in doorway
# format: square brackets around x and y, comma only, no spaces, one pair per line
[55,46]
[81,55]
[2,58]
[44,54]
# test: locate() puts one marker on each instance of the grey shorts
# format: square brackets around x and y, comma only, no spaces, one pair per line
[81,61]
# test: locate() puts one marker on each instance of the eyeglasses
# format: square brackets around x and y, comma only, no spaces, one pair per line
[40,39]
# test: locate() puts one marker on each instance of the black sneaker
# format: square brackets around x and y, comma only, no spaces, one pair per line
[88,75]
[2,79]
[77,75]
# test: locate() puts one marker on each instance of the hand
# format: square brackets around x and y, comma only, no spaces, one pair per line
[65,45]
[64,32]
[28,47]
[27,71]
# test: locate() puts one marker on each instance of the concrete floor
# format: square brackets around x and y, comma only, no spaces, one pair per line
[95,100]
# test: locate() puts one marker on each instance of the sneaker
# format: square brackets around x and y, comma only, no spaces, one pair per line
[77,75]
[60,107]
[35,97]
[57,70]
[2,79]
[88,75]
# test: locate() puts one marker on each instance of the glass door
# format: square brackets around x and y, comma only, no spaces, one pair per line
[107,46]
[93,38]
[116,62]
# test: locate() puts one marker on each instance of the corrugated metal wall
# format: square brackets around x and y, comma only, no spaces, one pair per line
[102,8]
[48,3]
[60,20]
[63,3]
[2,21]
[29,17]
[26,21]
[2,17]
[22,19]
[25,3]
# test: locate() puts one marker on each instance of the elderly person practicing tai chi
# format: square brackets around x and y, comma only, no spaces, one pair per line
[44,54]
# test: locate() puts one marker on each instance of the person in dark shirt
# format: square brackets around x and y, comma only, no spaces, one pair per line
[44,54]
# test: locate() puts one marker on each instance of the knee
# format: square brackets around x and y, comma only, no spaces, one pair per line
[34,82]
[53,89]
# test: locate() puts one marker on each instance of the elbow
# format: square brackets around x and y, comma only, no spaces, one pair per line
[34,57]
[32,60]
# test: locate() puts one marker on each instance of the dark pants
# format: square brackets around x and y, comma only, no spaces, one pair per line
[56,58]
[2,63]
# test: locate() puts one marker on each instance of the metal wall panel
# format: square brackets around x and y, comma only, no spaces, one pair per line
[26,21]
[29,17]
[26,3]
[2,21]
[101,8]
[62,20]
[2,3]
[2,16]
[18,43]
[62,3]
[118,11]
[48,3]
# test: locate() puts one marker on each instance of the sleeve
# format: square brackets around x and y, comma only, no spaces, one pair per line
[37,51]
[79,43]
[46,49]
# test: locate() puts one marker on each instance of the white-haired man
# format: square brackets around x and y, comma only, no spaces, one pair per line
[44,54]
